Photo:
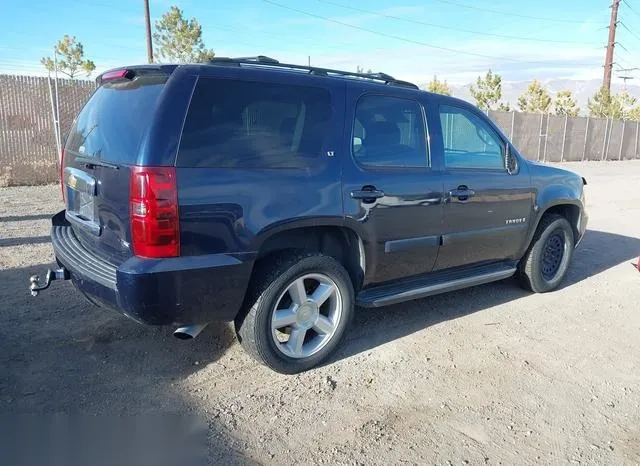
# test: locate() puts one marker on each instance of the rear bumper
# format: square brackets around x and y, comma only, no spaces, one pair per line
[175,291]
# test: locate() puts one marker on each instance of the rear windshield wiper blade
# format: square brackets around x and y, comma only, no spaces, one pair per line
[90,162]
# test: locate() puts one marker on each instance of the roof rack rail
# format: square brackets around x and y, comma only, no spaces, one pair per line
[239,60]
[271,62]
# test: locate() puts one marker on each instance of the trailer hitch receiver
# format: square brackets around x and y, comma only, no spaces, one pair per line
[36,286]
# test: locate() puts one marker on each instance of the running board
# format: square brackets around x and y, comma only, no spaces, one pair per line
[435,283]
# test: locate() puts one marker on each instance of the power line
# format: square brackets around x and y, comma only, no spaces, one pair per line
[102,5]
[32,66]
[515,15]
[629,30]
[622,47]
[621,61]
[630,7]
[350,47]
[451,28]
[46,50]
[392,36]
[290,40]
[623,51]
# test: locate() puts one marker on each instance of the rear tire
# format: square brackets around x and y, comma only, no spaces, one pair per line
[298,309]
[546,262]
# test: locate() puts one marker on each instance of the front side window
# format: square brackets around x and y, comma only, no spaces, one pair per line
[389,132]
[469,142]
[243,124]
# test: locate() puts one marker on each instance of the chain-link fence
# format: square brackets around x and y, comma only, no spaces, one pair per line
[28,146]
[29,155]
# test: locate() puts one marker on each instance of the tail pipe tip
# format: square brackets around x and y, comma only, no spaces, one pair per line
[189,332]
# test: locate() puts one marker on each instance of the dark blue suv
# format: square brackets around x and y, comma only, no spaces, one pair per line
[281,196]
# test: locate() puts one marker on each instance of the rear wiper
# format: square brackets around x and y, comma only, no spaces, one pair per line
[91,163]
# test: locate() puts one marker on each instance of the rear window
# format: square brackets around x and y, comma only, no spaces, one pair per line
[244,124]
[112,124]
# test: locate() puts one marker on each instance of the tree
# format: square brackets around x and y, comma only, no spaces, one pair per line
[627,102]
[361,70]
[602,105]
[605,105]
[438,87]
[634,114]
[504,107]
[487,91]
[178,39]
[565,104]
[70,58]
[536,99]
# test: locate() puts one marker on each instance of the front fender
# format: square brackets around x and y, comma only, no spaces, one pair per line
[551,187]
[557,195]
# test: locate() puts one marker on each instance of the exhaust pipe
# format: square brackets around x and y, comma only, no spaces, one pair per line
[189,332]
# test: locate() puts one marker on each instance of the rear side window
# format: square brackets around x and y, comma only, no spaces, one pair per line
[469,142]
[389,132]
[245,124]
[113,122]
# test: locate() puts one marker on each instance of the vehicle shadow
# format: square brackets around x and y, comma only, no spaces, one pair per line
[598,252]
[60,354]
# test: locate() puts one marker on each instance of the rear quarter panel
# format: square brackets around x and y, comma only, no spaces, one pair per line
[231,210]
[228,210]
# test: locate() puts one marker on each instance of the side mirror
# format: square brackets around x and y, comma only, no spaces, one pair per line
[510,161]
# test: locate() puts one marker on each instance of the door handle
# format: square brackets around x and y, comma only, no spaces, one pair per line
[462,193]
[367,193]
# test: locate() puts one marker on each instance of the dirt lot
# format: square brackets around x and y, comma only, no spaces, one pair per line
[489,375]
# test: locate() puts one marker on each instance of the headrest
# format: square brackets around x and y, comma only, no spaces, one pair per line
[382,133]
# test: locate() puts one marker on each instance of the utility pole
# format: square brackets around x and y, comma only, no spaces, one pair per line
[608,61]
[147,20]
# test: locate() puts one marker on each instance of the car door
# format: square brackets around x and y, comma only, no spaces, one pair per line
[391,195]
[487,208]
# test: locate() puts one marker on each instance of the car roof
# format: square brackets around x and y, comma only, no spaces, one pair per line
[266,64]
[376,80]
[270,65]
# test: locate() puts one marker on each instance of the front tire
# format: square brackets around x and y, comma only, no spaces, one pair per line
[546,262]
[299,307]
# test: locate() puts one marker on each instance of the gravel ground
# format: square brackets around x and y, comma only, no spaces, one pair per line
[488,375]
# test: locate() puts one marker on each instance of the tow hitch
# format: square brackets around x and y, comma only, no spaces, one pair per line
[35,286]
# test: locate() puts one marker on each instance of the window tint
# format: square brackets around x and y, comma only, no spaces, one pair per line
[389,132]
[469,142]
[113,122]
[251,124]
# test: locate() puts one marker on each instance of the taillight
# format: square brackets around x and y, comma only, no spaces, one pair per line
[154,212]
[62,173]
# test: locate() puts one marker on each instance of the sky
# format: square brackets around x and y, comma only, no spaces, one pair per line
[457,40]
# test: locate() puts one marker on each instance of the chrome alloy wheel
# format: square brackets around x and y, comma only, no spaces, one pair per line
[306,315]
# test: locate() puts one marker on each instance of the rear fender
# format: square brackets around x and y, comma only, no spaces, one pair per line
[268,240]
